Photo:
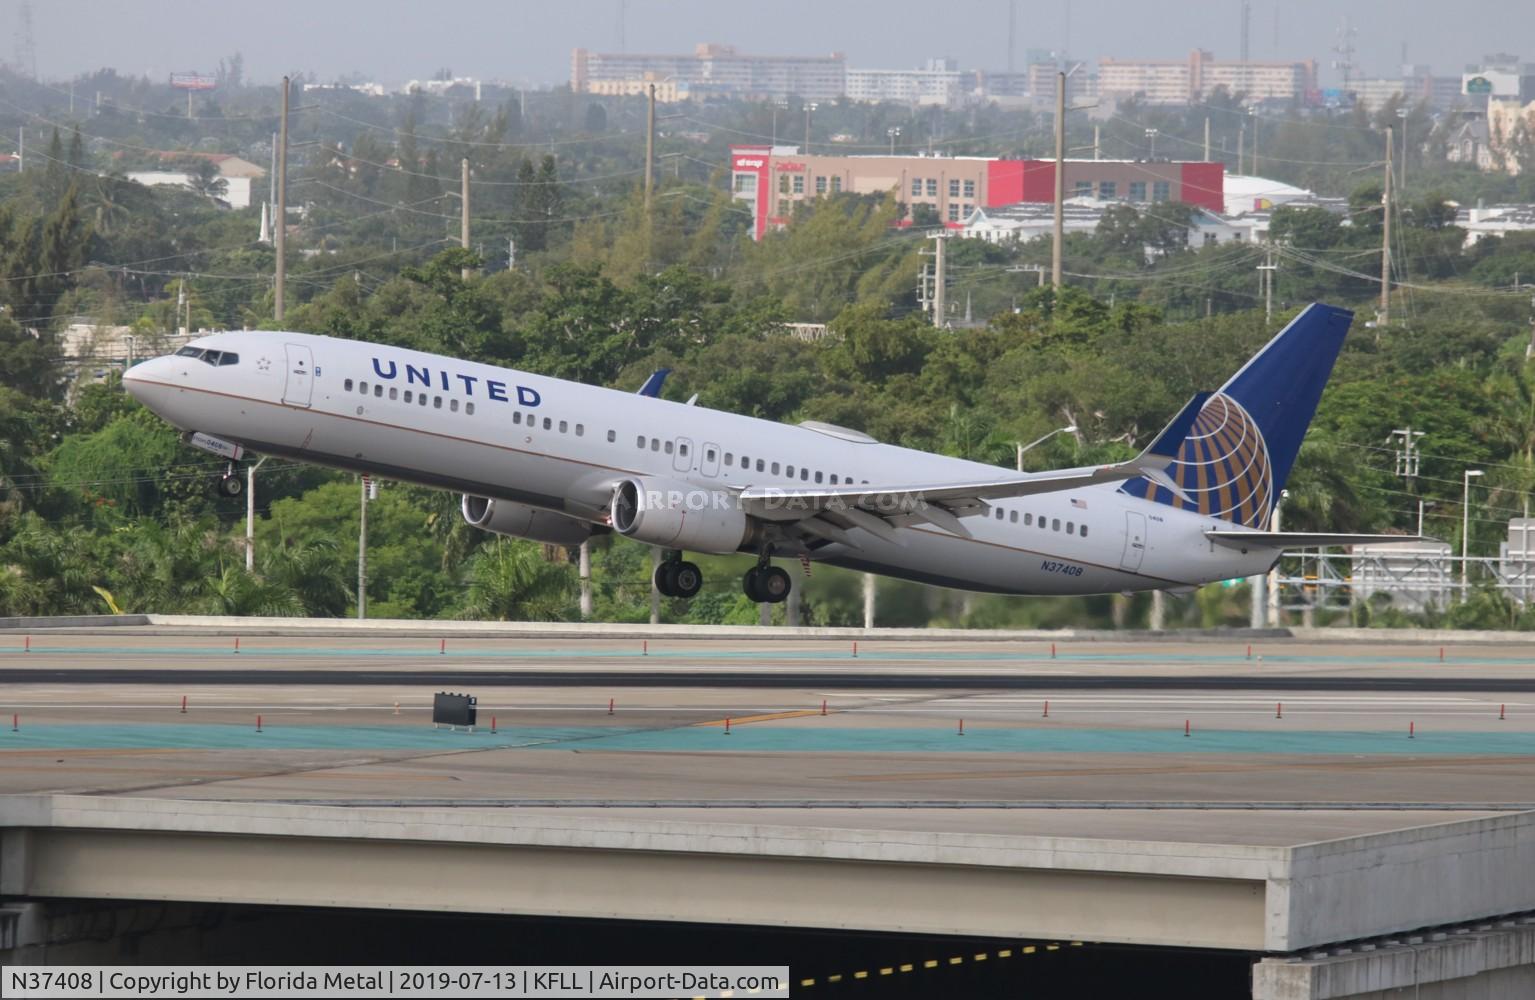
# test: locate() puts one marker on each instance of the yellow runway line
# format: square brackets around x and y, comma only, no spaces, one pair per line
[770,717]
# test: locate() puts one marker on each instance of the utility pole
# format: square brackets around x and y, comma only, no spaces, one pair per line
[463,220]
[650,149]
[272,177]
[1255,143]
[868,600]
[939,278]
[1057,238]
[282,220]
[655,594]
[1273,583]
[1268,267]
[362,550]
[1097,144]
[1207,138]
[1385,239]
[1242,149]
[21,150]
[809,107]
[1407,456]
[584,571]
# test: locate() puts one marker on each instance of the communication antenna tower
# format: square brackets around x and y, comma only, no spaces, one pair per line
[26,51]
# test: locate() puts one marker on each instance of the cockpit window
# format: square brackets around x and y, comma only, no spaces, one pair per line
[215,358]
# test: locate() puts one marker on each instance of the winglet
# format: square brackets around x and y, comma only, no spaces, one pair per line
[652,386]
[1152,463]
[1170,441]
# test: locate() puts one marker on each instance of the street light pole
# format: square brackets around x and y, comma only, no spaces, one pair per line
[1151,134]
[1465,528]
[250,513]
[1069,429]
[892,133]
[1402,114]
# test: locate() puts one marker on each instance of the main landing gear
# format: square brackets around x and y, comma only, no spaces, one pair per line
[765,583]
[675,578]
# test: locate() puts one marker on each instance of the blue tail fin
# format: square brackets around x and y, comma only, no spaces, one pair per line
[1239,452]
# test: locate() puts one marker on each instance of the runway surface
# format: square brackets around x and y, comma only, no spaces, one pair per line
[976,729]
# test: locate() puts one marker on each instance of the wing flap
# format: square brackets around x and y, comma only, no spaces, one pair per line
[1304,539]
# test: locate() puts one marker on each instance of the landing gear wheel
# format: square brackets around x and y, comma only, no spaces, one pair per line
[666,578]
[686,580]
[766,585]
[231,486]
[774,584]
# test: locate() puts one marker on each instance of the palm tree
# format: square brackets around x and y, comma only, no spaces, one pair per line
[313,573]
[203,177]
[236,592]
[509,580]
[1322,495]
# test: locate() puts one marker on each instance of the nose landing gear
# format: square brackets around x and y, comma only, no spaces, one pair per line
[231,485]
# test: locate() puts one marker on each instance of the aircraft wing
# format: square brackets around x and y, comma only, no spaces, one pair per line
[830,512]
[1303,539]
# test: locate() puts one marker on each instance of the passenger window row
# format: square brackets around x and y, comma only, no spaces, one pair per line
[410,396]
[531,421]
[645,443]
[1072,528]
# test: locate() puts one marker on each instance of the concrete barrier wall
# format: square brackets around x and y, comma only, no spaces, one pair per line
[71,621]
[627,630]
[1396,881]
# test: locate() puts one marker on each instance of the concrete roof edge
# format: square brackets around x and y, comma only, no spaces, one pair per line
[582,831]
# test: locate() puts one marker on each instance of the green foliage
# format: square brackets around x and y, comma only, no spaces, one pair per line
[101,494]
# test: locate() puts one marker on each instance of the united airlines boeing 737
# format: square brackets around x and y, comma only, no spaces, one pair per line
[558,462]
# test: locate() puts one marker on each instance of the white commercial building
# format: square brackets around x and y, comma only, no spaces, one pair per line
[939,82]
[239,176]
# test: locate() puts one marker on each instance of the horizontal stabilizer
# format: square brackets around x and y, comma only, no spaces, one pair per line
[1304,539]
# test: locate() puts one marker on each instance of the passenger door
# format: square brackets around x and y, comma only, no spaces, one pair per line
[682,455]
[298,390]
[1135,541]
[710,466]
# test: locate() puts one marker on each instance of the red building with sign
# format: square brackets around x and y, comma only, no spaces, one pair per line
[773,179]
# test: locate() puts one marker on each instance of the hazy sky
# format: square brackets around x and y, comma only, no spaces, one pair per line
[530,40]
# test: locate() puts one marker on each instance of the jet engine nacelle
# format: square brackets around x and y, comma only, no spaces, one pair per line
[676,515]
[507,518]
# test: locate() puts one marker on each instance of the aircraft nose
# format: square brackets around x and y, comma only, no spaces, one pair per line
[146,381]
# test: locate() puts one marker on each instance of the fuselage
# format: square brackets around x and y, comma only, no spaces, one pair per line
[561,446]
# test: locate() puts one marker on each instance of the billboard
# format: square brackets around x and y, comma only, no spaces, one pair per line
[193,81]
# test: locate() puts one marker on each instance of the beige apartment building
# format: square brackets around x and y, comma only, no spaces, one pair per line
[714,70]
[1190,80]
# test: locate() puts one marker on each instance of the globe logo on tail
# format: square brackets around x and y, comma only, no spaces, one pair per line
[1223,467]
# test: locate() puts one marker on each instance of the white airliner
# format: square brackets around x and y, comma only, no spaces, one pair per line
[558,461]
